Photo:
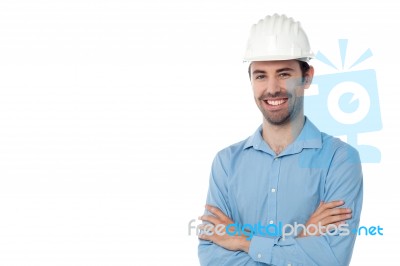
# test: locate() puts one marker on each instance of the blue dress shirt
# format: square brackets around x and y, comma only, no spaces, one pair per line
[252,185]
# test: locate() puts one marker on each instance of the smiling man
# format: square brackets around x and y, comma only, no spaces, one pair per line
[286,174]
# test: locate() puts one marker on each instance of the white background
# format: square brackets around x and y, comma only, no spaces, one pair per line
[112,111]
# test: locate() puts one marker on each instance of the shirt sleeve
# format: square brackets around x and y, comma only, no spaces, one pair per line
[343,182]
[209,253]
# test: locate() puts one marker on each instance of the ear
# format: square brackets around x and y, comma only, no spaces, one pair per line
[308,77]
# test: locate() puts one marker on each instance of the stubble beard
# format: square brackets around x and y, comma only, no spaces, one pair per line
[283,117]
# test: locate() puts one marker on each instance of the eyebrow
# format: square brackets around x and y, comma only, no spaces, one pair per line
[258,71]
[284,69]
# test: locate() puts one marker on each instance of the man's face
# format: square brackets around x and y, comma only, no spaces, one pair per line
[278,90]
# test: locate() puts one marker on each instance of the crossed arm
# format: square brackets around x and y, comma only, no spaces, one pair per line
[326,214]
[344,181]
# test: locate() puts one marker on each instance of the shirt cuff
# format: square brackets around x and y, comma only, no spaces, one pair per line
[261,249]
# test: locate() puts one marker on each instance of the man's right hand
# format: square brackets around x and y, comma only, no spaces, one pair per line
[326,214]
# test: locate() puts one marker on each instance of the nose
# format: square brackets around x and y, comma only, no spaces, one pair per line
[273,86]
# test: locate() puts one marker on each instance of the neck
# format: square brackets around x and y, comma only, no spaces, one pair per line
[278,137]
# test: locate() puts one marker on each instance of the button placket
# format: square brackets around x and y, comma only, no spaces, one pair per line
[272,198]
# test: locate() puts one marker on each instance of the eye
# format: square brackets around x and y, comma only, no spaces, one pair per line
[260,76]
[284,75]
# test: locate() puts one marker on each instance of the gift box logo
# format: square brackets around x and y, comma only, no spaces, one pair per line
[347,103]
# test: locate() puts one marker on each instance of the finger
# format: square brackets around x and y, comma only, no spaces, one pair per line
[203,227]
[205,237]
[337,224]
[332,212]
[333,226]
[333,204]
[216,211]
[335,219]
[329,205]
[210,218]
[207,232]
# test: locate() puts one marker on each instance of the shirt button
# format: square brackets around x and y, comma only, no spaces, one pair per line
[259,255]
[271,221]
[289,264]
[273,190]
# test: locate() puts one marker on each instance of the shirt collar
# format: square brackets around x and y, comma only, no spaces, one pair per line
[309,137]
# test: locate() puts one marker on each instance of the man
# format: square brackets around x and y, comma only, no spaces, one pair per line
[287,173]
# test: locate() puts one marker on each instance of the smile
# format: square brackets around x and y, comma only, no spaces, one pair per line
[276,102]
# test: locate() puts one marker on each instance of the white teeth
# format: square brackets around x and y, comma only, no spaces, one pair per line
[278,102]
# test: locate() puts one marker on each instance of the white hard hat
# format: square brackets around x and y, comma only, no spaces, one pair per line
[277,37]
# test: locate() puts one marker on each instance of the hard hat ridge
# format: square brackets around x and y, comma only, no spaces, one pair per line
[277,37]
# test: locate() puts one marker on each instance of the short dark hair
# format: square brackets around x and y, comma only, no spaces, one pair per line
[304,67]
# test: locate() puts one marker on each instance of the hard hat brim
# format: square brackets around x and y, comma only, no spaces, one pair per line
[278,58]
